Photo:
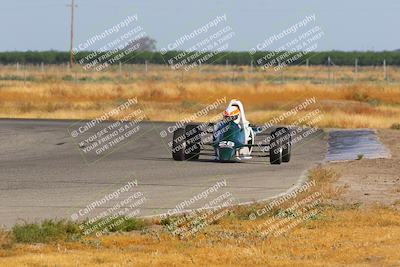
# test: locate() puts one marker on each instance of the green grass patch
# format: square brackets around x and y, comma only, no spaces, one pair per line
[50,231]
[46,232]
[115,224]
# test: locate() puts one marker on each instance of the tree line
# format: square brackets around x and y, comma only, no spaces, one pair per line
[367,58]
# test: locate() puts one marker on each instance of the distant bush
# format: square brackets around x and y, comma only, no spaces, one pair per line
[17,78]
[339,58]
[68,78]
[395,126]
[104,79]
[85,79]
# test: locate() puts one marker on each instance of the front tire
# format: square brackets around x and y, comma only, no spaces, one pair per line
[193,138]
[186,143]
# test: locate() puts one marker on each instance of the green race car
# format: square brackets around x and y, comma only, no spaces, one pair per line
[231,139]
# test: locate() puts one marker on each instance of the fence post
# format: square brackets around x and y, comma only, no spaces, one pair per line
[280,68]
[24,76]
[307,65]
[329,69]
[182,76]
[356,68]
[384,70]
[145,65]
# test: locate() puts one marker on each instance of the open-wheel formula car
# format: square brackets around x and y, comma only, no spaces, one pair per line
[231,139]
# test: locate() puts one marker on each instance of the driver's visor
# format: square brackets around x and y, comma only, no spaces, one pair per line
[231,118]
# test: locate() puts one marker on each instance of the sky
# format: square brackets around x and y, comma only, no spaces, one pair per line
[347,25]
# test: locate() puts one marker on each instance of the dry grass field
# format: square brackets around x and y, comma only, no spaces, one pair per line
[346,99]
[340,238]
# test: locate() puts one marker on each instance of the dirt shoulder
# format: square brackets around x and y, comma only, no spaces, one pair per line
[372,181]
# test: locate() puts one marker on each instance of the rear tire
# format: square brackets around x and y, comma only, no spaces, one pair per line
[275,149]
[179,145]
[286,141]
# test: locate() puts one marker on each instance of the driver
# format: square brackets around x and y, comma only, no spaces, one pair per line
[232,113]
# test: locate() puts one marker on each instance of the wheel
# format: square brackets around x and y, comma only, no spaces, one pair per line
[179,145]
[286,141]
[193,138]
[186,143]
[275,149]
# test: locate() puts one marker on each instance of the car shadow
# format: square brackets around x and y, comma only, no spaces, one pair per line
[252,161]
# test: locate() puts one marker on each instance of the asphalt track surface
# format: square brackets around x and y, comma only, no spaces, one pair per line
[43,173]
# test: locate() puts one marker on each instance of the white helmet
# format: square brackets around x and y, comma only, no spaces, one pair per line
[232,113]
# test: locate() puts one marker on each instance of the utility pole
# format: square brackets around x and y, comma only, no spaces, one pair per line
[71,55]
